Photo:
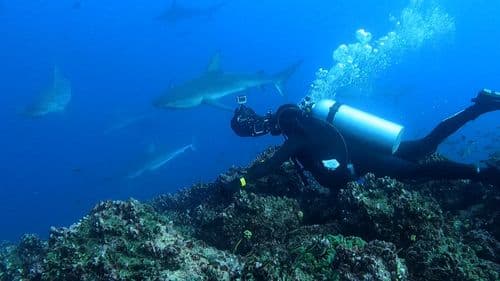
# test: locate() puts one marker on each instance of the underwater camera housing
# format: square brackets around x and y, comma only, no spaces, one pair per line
[359,126]
[241,99]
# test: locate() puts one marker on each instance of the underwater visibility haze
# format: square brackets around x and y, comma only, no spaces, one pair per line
[111,100]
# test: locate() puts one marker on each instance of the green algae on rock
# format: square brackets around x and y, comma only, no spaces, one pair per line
[129,241]
[23,261]
[279,228]
[449,259]
[377,207]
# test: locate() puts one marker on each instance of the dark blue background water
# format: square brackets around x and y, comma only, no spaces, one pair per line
[118,58]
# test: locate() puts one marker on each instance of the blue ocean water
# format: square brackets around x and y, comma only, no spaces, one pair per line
[119,57]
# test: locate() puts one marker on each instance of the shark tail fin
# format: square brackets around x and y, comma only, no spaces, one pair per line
[282,77]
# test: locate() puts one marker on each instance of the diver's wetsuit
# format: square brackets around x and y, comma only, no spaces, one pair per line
[310,141]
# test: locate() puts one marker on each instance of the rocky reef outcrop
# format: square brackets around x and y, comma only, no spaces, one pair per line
[281,227]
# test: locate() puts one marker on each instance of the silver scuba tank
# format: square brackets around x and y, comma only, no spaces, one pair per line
[357,125]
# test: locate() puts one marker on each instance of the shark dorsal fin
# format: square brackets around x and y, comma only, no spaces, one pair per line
[57,72]
[214,65]
[56,75]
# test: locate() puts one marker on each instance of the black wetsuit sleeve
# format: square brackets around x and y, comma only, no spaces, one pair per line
[260,169]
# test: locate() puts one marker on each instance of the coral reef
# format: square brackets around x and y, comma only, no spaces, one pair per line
[376,207]
[282,227]
[123,241]
[24,261]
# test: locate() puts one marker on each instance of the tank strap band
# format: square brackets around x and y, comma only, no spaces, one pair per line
[332,112]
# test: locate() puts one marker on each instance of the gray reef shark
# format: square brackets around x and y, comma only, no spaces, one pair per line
[176,13]
[55,98]
[159,160]
[127,122]
[215,84]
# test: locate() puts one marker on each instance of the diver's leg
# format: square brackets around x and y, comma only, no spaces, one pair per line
[486,101]
[417,149]
[449,170]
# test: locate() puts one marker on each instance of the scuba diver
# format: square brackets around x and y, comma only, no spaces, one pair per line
[336,143]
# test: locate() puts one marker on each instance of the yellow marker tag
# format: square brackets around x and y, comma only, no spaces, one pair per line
[243,182]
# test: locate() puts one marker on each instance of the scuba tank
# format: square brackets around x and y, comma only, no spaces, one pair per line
[358,126]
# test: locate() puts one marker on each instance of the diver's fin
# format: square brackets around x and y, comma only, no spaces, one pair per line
[214,65]
[215,103]
[282,77]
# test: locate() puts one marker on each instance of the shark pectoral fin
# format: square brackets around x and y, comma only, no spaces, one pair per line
[217,104]
[282,77]
[280,87]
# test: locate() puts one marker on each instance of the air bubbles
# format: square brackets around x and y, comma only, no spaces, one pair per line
[363,36]
[360,62]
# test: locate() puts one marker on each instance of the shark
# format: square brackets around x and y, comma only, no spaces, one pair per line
[215,84]
[176,13]
[159,160]
[55,98]
[125,123]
